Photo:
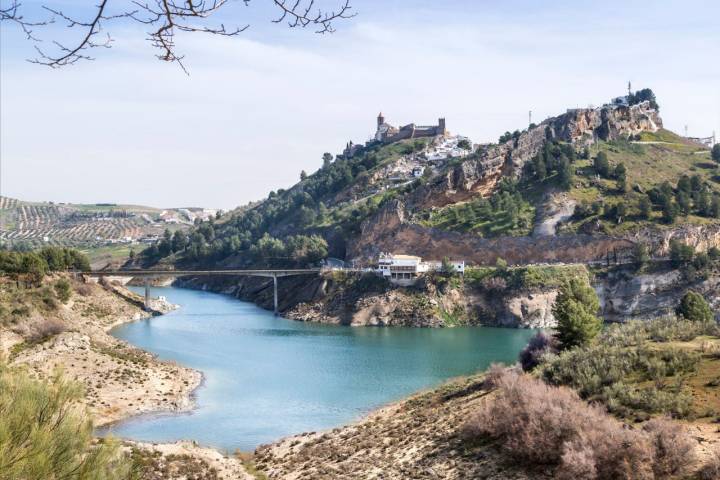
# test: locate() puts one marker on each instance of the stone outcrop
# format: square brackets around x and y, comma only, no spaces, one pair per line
[700,237]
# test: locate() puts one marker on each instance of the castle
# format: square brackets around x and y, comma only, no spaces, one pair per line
[386,133]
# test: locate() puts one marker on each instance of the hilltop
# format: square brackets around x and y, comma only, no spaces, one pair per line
[610,173]
[588,186]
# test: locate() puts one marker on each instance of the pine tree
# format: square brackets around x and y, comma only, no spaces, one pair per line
[645,207]
[575,311]
[602,165]
[694,307]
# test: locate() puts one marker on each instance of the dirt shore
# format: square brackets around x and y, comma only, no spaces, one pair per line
[120,380]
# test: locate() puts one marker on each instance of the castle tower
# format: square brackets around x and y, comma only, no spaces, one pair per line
[380,119]
[441,126]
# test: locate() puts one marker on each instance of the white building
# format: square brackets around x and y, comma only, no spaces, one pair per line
[405,269]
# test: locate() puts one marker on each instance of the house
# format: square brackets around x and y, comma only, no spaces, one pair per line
[405,269]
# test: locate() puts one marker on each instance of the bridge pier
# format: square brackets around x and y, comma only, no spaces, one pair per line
[147,293]
[275,295]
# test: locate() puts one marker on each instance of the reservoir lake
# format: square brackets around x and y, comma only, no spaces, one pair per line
[267,377]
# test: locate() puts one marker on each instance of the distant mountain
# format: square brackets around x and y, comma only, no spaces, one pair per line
[89,225]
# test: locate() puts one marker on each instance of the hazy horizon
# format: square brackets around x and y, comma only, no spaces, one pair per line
[259,108]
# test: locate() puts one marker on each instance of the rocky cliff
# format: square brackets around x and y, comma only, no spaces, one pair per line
[480,173]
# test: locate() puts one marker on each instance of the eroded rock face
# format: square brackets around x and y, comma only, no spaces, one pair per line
[642,297]
[480,173]
[529,310]
[387,231]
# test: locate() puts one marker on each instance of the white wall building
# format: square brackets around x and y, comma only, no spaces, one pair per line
[405,269]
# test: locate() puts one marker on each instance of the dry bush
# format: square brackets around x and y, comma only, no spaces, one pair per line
[711,469]
[539,345]
[544,425]
[84,289]
[494,375]
[674,449]
[44,330]
[494,283]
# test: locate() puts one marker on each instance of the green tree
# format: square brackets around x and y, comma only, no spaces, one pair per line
[683,202]
[680,253]
[715,154]
[643,95]
[303,175]
[620,174]
[327,159]
[669,210]
[702,203]
[34,266]
[539,167]
[565,173]
[465,144]
[641,254]
[447,267]
[645,207]
[501,265]
[179,241]
[694,307]
[44,435]
[63,290]
[575,310]
[715,207]
[602,165]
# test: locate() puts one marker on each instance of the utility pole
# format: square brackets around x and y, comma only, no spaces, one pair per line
[529,118]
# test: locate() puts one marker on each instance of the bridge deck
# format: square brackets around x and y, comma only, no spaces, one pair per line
[183,273]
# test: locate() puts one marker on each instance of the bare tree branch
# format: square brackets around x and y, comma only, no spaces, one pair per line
[165,18]
[12,14]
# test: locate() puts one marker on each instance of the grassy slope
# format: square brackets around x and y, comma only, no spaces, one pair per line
[647,165]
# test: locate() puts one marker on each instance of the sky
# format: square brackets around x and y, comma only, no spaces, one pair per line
[258,108]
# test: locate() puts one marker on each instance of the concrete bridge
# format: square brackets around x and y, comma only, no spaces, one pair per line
[149,274]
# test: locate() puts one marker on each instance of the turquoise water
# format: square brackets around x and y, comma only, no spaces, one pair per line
[267,377]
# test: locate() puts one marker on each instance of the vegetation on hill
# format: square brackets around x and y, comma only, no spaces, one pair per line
[34,265]
[618,186]
[289,227]
[624,185]
[504,213]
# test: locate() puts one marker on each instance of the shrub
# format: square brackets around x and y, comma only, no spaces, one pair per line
[494,283]
[63,290]
[44,435]
[694,307]
[711,469]
[674,449]
[540,344]
[599,372]
[84,289]
[543,425]
[45,330]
